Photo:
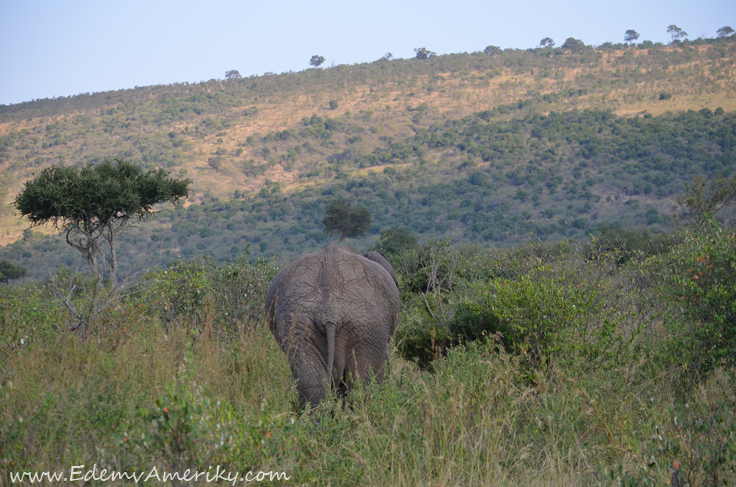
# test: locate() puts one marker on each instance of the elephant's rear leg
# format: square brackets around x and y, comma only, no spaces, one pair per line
[311,379]
[363,363]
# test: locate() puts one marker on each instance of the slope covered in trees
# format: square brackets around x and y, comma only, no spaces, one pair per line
[483,148]
[561,175]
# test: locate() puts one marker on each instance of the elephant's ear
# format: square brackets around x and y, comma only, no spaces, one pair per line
[379,259]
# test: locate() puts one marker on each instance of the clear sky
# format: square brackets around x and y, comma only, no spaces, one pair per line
[59,48]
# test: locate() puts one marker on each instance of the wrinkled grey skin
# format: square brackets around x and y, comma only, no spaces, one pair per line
[333,313]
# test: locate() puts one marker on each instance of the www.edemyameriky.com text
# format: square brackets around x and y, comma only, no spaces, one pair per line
[77,473]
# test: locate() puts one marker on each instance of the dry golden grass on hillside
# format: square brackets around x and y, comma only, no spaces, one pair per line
[447,96]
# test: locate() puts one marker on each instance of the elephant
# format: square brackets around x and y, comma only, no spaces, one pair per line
[333,314]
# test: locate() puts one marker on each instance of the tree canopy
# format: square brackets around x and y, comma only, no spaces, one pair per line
[423,53]
[92,205]
[344,219]
[574,45]
[630,36]
[395,240]
[97,195]
[316,61]
[232,74]
[8,271]
[547,42]
[724,31]
[676,32]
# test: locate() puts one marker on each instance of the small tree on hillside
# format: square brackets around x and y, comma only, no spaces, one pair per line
[316,61]
[675,32]
[631,36]
[492,50]
[396,240]
[703,199]
[573,45]
[233,74]
[547,42]
[9,272]
[423,53]
[344,219]
[724,31]
[91,206]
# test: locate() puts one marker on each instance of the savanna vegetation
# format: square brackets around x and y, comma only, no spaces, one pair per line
[243,140]
[604,362]
[561,175]
[561,325]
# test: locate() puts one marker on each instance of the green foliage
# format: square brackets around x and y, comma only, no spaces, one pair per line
[573,45]
[725,31]
[228,297]
[333,105]
[394,241]
[9,272]
[136,124]
[676,32]
[92,206]
[344,219]
[702,280]
[630,36]
[316,61]
[479,411]
[695,445]
[630,243]
[703,199]
[423,53]
[547,42]
[95,196]
[543,316]
[179,432]
[549,305]
[544,157]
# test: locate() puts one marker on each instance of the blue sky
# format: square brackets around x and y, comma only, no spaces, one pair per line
[62,48]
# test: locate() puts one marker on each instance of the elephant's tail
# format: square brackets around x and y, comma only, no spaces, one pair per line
[330,331]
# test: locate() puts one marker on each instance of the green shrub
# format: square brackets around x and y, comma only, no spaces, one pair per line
[232,294]
[179,432]
[542,302]
[548,313]
[702,282]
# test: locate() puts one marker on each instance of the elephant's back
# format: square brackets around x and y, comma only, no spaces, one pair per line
[336,283]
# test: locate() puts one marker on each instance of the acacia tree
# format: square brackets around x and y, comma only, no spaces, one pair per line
[630,36]
[232,74]
[492,50]
[316,61]
[724,31]
[423,53]
[395,240]
[9,272]
[676,32]
[344,219]
[91,206]
[547,42]
[574,45]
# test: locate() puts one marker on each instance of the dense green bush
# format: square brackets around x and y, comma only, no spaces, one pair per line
[230,295]
[700,278]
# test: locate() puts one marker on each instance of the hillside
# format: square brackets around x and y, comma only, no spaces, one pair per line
[481,148]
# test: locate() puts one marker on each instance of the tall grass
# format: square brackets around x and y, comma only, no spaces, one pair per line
[140,394]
